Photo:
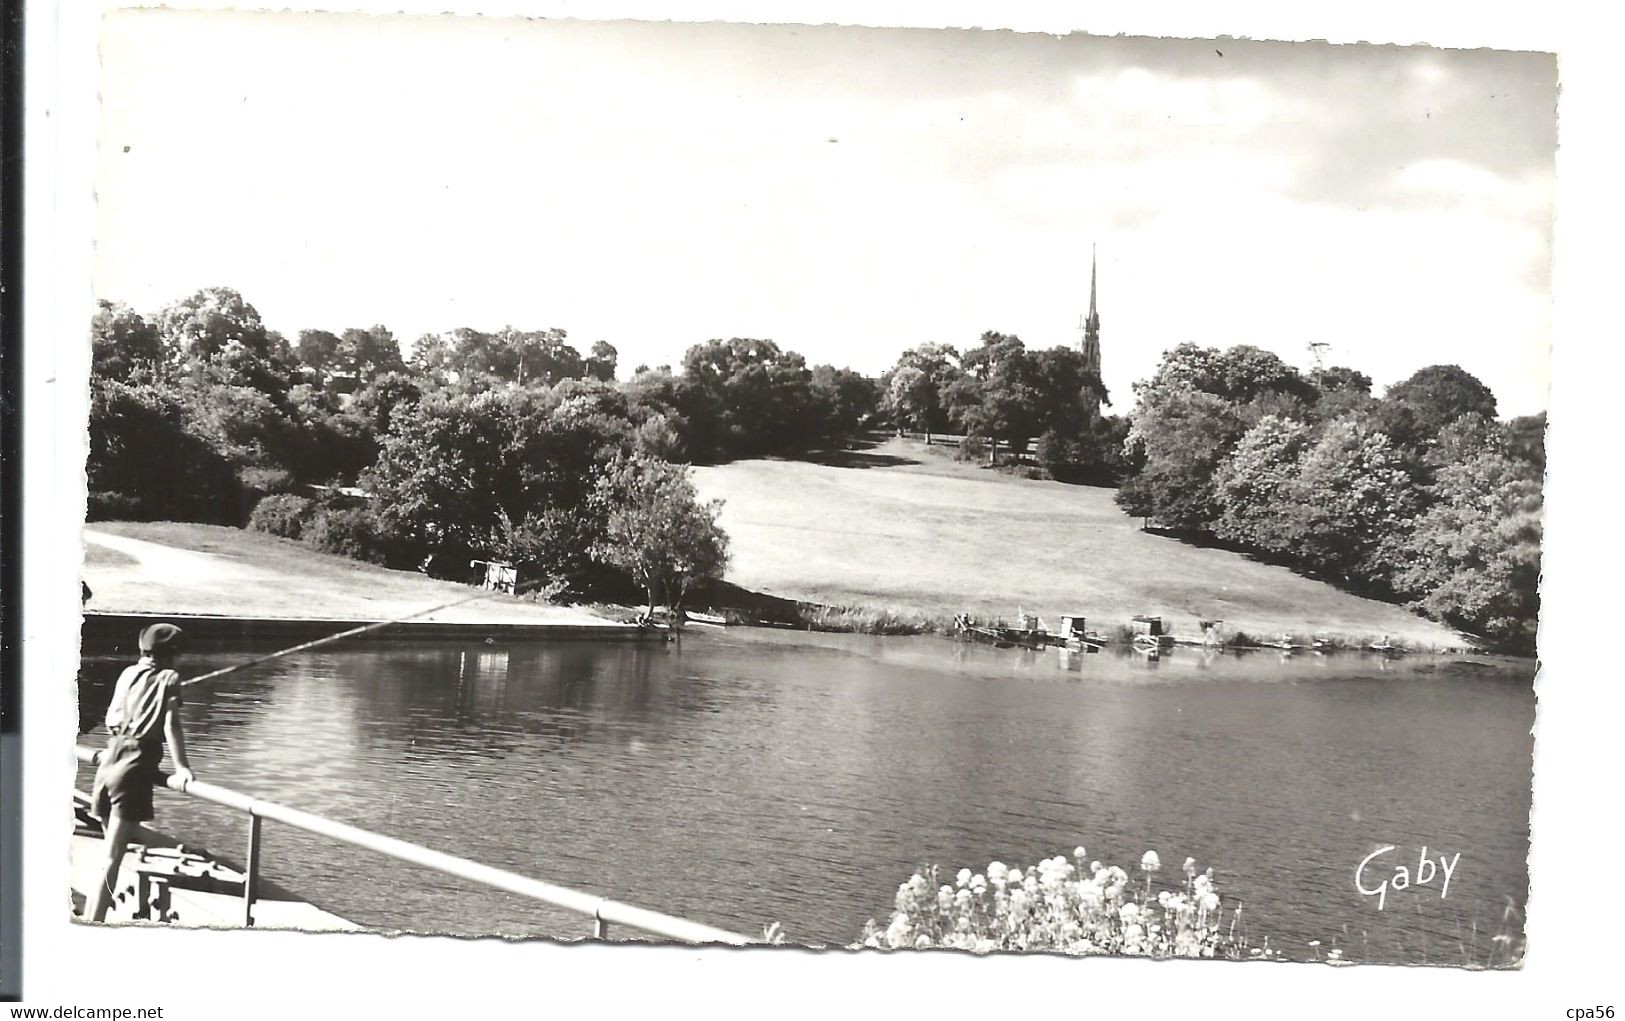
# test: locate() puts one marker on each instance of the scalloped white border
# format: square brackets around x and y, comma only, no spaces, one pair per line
[1572,959]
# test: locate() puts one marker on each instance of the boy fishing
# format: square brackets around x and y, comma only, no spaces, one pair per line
[142,716]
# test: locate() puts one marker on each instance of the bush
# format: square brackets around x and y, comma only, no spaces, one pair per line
[353,532]
[268,481]
[1082,908]
[145,463]
[281,514]
[864,621]
[972,448]
[109,506]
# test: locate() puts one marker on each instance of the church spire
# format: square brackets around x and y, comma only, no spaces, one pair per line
[1091,325]
[1092,315]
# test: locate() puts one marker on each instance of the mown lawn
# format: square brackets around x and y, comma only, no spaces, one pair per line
[904,526]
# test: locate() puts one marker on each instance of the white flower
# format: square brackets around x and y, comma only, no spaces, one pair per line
[964,876]
[1077,852]
[1190,866]
[1015,875]
[897,932]
[1208,901]
[1129,912]
[1150,862]
[1090,894]
[922,941]
[996,872]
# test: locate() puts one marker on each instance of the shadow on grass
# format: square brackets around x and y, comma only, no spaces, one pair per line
[744,606]
[858,453]
[858,459]
[1203,540]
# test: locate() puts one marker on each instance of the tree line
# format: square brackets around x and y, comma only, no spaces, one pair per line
[512,445]
[1421,495]
[1002,392]
[505,445]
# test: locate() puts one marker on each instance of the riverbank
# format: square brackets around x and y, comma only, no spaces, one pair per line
[166,567]
[904,531]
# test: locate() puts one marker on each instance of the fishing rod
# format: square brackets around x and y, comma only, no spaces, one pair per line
[348,633]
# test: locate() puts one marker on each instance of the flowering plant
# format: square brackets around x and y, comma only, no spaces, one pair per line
[1072,906]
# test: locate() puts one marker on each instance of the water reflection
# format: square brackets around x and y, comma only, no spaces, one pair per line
[745,777]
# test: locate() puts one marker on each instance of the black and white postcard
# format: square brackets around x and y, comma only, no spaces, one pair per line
[921,493]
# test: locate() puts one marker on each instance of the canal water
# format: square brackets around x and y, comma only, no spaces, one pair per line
[745,777]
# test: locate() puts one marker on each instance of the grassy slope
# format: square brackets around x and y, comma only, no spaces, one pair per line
[903,526]
[210,569]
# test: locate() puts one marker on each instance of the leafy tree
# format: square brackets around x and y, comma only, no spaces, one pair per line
[1413,411]
[660,437]
[1473,558]
[1002,393]
[1069,391]
[842,401]
[475,357]
[444,471]
[334,445]
[1190,414]
[505,472]
[122,343]
[910,397]
[147,464]
[657,528]
[363,355]
[375,405]
[432,358]
[1526,437]
[931,370]
[1340,379]
[1255,484]
[1350,498]
[1184,435]
[1466,438]
[1094,454]
[318,350]
[656,396]
[243,424]
[1237,375]
[205,323]
[542,355]
[747,397]
[601,361]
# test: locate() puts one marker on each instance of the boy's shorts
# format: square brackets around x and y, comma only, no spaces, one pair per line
[124,779]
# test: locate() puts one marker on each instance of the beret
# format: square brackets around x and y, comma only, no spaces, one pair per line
[159,637]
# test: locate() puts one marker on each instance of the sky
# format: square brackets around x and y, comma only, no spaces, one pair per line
[846,192]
